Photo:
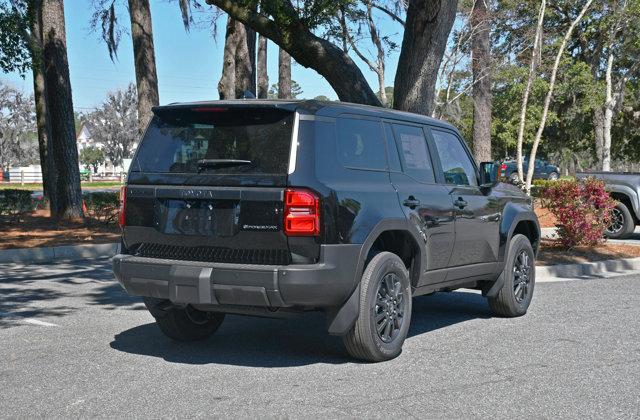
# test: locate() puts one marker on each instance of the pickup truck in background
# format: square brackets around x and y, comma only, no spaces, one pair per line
[624,187]
[541,170]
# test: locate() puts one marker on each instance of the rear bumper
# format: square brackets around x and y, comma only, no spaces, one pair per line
[328,283]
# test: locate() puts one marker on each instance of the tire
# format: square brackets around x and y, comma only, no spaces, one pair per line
[184,324]
[515,296]
[385,272]
[513,178]
[622,224]
[554,176]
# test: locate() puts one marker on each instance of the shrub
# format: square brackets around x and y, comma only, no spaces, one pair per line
[582,208]
[539,185]
[102,206]
[15,202]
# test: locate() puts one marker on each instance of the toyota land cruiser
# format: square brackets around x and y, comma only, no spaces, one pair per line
[270,207]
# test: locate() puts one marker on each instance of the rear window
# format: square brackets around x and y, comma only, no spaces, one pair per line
[210,140]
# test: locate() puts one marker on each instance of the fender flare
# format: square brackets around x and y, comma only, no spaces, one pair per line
[512,215]
[629,192]
[340,320]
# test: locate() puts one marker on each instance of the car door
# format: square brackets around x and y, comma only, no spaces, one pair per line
[426,203]
[477,213]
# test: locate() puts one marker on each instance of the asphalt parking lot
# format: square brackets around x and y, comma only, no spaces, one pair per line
[72,344]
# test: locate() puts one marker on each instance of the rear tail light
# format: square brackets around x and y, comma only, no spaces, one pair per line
[123,203]
[301,213]
[503,167]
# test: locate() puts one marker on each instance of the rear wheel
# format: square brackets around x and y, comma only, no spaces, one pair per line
[622,224]
[184,324]
[385,310]
[553,176]
[519,280]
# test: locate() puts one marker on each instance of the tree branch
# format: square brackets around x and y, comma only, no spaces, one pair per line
[309,50]
[389,13]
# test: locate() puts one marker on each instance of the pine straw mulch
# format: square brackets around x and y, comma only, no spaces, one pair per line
[552,253]
[38,230]
[545,217]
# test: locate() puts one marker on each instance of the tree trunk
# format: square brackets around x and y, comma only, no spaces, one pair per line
[425,38]
[309,50]
[608,115]
[537,44]
[145,61]
[481,66]
[547,99]
[60,106]
[263,75]
[598,124]
[284,75]
[43,123]
[227,83]
[239,63]
[380,62]
[245,60]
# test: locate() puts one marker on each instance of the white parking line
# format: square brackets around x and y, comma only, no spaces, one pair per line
[41,323]
[28,320]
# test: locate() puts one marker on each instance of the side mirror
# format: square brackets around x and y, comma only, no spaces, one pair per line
[488,173]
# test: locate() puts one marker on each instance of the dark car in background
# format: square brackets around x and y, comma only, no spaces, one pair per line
[541,170]
[274,207]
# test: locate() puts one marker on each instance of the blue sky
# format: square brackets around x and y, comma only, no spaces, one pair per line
[189,64]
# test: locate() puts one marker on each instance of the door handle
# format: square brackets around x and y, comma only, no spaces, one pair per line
[460,203]
[411,202]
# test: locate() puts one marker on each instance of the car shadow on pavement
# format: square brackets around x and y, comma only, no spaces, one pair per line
[299,341]
[111,296]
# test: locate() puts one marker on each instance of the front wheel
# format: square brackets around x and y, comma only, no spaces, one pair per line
[385,310]
[519,280]
[622,224]
[553,176]
[184,323]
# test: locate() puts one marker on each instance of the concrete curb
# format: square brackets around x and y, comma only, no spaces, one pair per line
[607,268]
[58,253]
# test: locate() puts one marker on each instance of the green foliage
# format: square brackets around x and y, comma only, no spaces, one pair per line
[14,202]
[15,55]
[296,90]
[91,156]
[103,206]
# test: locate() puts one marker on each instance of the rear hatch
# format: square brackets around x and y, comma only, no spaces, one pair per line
[207,184]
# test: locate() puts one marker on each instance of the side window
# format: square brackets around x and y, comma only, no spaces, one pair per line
[360,143]
[416,161]
[456,165]
[392,149]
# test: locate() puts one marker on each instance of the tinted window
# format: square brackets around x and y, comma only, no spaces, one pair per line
[360,144]
[456,165]
[414,153]
[208,140]
[392,149]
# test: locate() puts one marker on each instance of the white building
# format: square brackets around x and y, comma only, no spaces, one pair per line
[84,139]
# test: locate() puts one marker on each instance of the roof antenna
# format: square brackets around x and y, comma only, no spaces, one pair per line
[248,95]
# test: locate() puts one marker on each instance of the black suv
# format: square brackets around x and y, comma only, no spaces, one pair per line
[270,207]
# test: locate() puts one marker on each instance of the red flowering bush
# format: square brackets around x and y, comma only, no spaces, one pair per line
[582,208]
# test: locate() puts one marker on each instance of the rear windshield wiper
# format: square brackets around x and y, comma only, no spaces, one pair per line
[221,163]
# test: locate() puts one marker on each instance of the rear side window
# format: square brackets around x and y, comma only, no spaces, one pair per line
[456,164]
[360,144]
[217,141]
[414,153]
